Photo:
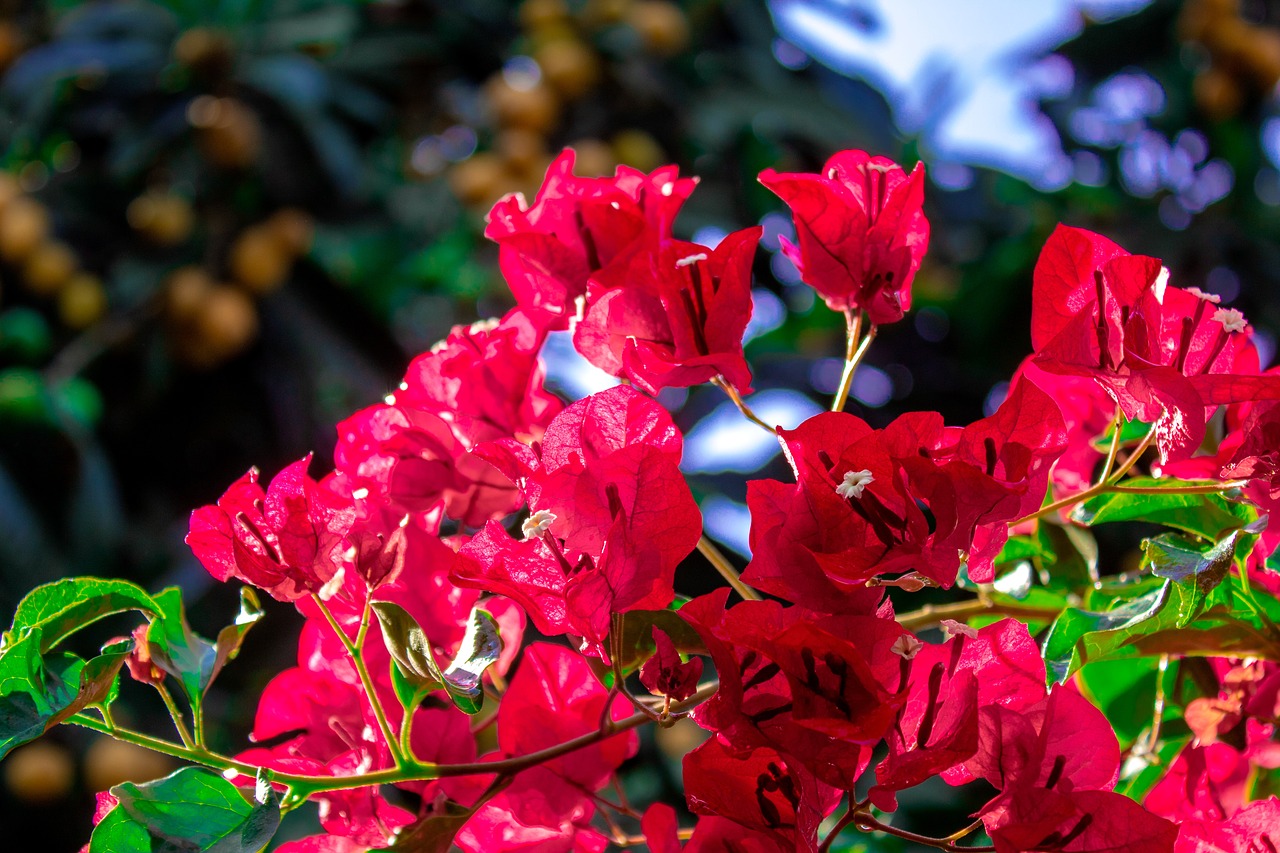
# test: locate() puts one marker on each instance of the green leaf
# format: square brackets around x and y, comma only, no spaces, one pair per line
[480,648]
[188,657]
[39,691]
[178,650]
[1153,620]
[61,608]
[1068,556]
[1125,690]
[1197,570]
[231,637]
[635,640]
[97,681]
[1207,515]
[432,834]
[408,645]
[193,811]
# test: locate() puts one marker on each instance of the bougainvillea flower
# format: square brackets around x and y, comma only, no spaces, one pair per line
[937,728]
[1254,828]
[283,541]
[820,690]
[910,497]
[1044,819]
[1210,782]
[861,231]
[761,790]
[1161,352]
[1062,742]
[576,227]
[611,517]
[413,451]
[1087,411]
[553,697]
[678,317]
[664,674]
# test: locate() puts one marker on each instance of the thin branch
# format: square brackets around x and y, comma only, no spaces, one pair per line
[357,658]
[724,386]
[176,714]
[932,614]
[726,569]
[867,823]
[851,362]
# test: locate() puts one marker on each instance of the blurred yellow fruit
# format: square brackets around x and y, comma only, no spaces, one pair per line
[522,149]
[204,50]
[571,67]
[230,134]
[1261,54]
[39,773]
[185,291]
[10,43]
[226,324]
[593,158]
[1217,93]
[293,230]
[48,267]
[82,302]
[1199,16]
[10,189]
[108,762]
[478,179]
[258,261]
[662,26]
[539,13]
[24,223]
[162,217]
[599,13]
[535,108]
[639,149]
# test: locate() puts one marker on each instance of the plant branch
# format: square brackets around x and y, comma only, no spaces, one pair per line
[867,823]
[354,650]
[932,614]
[726,569]
[724,386]
[1101,487]
[852,356]
[176,714]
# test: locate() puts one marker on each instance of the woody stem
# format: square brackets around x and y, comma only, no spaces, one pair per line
[726,569]
[867,823]
[932,614]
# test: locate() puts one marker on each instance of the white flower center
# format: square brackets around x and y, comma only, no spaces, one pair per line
[692,259]
[854,483]
[1207,297]
[906,647]
[537,524]
[1230,318]
[952,628]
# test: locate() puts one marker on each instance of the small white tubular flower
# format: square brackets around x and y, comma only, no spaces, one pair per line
[952,628]
[537,524]
[1207,297]
[906,647]
[691,259]
[854,483]
[1231,319]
